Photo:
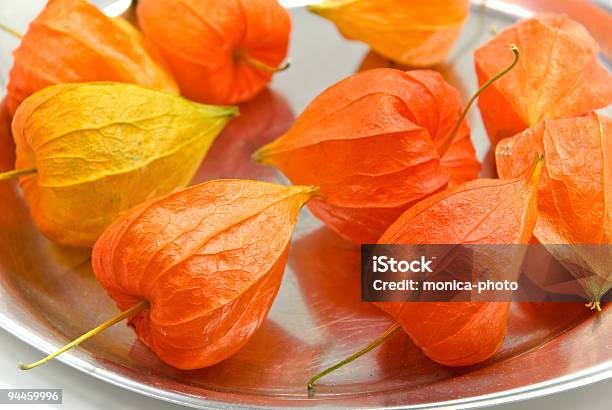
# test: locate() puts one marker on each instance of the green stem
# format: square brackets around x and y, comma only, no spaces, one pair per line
[123,315]
[263,66]
[377,342]
[11,31]
[449,140]
[17,173]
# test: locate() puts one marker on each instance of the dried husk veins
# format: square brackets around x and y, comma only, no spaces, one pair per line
[412,32]
[559,75]
[484,211]
[73,41]
[101,148]
[209,44]
[370,143]
[575,191]
[208,259]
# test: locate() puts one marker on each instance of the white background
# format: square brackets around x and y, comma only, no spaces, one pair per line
[85,393]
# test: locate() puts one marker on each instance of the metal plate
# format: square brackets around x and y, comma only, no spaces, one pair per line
[48,294]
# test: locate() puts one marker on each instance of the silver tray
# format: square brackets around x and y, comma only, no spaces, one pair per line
[48,294]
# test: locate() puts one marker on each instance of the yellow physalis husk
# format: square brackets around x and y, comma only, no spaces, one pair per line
[98,149]
[412,32]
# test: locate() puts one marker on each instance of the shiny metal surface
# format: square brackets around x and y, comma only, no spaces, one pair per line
[48,294]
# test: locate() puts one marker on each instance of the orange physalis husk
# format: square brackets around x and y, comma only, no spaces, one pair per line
[484,211]
[7,145]
[574,198]
[371,143]
[412,32]
[559,75]
[197,271]
[209,261]
[71,41]
[221,52]
[593,15]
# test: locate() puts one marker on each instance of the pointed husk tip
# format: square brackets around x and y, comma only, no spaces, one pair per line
[324,5]
[211,111]
[259,156]
[316,8]
[313,190]
[233,111]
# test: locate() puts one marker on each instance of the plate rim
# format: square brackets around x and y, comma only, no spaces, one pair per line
[584,377]
[77,360]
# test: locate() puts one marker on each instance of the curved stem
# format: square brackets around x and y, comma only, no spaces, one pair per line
[11,31]
[123,315]
[263,66]
[17,173]
[449,140]
[377,342]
